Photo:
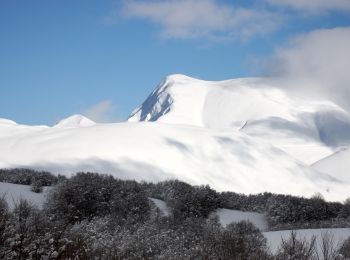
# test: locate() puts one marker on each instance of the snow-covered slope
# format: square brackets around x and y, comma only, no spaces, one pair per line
[307,129]
[14,192]
[163,208]
[338,165]
[228,216]
[243,135]
[227,160]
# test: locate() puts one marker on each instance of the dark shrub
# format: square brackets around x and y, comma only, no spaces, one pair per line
[36,187]
[286,209]
[4,218]
[187,201]
[237,241]
[27,177]
[345,249]
[89,195]
[129,203]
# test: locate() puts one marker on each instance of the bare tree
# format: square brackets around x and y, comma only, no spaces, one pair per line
[328,250]
[344,250]
[297,249]
[4,217]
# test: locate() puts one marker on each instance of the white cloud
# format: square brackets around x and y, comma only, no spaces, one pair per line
[322,59]
[314,5]
[202,18]
[101,112]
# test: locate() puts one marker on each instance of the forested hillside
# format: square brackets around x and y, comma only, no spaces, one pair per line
[94,216]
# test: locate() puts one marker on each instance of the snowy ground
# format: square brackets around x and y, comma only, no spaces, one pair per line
[227,216]
[161,205]
[274,238]
[13,192]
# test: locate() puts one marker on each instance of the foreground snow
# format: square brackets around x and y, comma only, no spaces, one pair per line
[274,238]
[14,192]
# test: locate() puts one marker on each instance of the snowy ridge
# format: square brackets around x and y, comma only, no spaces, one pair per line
[225,104]
[308,130]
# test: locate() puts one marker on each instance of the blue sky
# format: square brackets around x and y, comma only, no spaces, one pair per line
[102,58]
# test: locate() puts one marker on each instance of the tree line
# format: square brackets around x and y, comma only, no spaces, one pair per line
[95,216]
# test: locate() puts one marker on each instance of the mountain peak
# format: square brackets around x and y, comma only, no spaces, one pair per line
[180,99]
[179,78]
[76,120]
[255,106]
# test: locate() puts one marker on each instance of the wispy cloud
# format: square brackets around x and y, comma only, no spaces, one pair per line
[188,19]
[321,59]
[313,5]
[102,112]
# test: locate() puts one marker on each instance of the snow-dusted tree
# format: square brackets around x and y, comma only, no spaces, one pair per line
[344,249]
[345,211]
[36,186]
[26,229]
[293,211]
[83,196]
[188,201]
[237,241]
[27,176]
[243,241]
[4,219]
[90,195]
[129,203]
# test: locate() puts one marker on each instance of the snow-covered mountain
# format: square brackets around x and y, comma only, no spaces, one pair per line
[307,129]
[244,135]
[75,121]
